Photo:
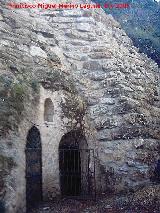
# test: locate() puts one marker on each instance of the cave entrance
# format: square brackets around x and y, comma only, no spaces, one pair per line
[76,176]
[33,168]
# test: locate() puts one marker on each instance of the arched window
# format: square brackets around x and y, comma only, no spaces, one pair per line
[48,110]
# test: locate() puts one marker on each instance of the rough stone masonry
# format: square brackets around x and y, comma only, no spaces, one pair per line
[97,80]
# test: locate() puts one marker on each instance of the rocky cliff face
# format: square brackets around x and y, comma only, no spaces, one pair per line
[83,52]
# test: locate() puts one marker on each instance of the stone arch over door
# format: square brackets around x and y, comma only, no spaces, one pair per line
[33,168]
[74,164]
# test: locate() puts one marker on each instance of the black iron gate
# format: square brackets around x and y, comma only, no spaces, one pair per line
[77,173]
[33,177]
[33,169]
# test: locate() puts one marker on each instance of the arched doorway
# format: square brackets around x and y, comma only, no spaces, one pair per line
[33,168]
[74,165]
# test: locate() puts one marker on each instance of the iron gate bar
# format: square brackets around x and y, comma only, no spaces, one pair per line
[94,171]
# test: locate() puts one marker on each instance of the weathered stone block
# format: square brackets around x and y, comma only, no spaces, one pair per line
[37,51]
[100,55]
[92,65]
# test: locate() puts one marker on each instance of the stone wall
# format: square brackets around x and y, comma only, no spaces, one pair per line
[96,79]
[120,88]
[51,134]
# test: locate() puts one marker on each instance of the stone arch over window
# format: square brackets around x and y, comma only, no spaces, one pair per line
[48,110]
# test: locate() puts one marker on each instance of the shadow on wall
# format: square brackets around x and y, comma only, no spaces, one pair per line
[2,208]
[156,175]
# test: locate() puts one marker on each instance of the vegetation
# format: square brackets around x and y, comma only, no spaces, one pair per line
[73,107]
[13,95]
[141,23]
[57,80]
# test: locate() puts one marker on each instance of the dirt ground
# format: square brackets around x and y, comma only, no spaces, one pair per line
[116,204]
